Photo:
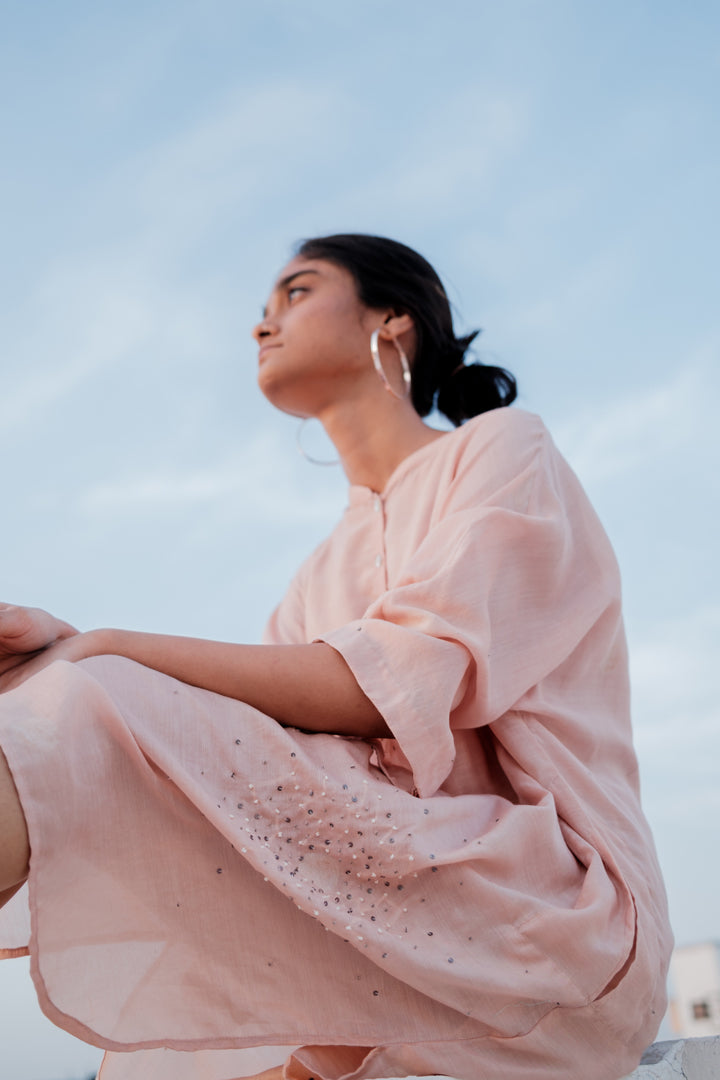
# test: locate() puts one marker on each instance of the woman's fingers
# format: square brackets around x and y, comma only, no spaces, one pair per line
[24,629]
[16,626]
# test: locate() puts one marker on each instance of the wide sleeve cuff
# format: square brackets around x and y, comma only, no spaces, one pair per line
[394,667]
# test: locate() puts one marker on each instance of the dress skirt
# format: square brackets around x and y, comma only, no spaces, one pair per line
[203,879]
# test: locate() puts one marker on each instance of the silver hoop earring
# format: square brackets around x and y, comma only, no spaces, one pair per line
[303,451]
[377,364]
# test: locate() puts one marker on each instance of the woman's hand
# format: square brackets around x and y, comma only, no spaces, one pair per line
[73,647]
[25,630]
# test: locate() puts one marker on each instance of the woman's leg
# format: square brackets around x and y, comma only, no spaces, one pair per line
[14,844]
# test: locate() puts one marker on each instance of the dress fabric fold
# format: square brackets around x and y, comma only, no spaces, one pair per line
[477,895]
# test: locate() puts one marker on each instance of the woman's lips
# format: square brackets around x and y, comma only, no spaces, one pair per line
[265,350]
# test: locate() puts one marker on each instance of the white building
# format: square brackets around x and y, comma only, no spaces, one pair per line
[695,1007]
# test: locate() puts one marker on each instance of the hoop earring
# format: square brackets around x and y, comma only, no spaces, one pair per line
[303,451]
[377,364]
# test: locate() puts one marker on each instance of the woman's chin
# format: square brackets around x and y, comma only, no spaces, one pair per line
[281,396]
[298,396]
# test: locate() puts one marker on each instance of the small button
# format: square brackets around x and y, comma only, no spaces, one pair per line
[378,560]
[377,504]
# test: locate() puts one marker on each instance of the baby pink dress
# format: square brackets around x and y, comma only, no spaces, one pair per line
[478,896]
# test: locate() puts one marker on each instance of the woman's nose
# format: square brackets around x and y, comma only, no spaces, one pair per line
[263,329]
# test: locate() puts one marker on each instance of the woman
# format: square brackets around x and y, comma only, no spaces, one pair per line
[462,882]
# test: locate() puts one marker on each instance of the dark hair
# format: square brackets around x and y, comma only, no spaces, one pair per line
[389,274]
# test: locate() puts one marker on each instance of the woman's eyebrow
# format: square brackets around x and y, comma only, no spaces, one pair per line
[284,282]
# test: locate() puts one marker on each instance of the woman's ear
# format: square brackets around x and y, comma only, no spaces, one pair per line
[395,326]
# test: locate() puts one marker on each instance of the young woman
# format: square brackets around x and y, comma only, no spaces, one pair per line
[405,833]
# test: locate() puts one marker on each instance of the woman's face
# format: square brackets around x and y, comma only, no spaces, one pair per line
[314,338]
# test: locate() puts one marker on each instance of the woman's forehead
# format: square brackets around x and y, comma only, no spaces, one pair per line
[300,264]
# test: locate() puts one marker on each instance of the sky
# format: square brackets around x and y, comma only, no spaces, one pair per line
[557,162]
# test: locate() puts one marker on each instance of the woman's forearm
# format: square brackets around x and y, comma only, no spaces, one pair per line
[304,686]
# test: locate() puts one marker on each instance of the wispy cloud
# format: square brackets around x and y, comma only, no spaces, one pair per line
[456,153]
[91,313]
[639,428]
[677,734]
[249,144]
[260,477]
[83,322]
[100,302]
[674,676]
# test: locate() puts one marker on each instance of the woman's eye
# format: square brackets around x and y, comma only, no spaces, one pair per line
[295,289]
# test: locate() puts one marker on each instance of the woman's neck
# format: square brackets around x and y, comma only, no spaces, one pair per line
[374,435]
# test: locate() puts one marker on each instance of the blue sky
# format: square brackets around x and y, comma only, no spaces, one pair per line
[558,163]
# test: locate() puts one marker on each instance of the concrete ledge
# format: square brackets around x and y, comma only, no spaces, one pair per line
[685,1059]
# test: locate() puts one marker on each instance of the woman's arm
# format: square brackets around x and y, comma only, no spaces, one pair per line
[304,686]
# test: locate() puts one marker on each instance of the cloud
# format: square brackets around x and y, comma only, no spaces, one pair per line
[249,144]
[91,313]
[453,155]
[639,429]
[259,477]
[595,279]
[677,735]
[125,283]
[83,322]
[677,717]
[674,676]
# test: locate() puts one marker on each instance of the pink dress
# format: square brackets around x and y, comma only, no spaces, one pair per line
[478,896]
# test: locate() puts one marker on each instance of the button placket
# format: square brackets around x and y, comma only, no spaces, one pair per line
[379,560]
